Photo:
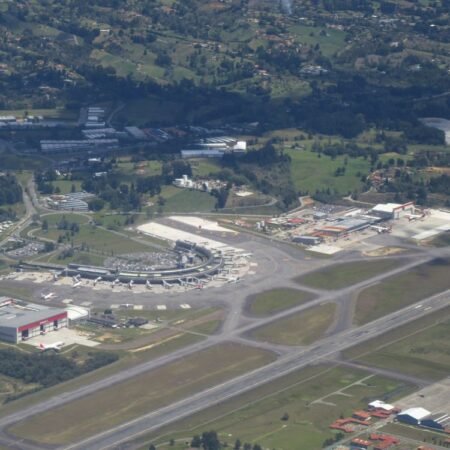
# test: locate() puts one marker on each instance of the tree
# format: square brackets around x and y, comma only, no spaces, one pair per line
[196,442]
[45,225]
[152,447]
[237,445]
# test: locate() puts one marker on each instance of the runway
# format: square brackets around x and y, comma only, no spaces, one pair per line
[278,264]
[284,365]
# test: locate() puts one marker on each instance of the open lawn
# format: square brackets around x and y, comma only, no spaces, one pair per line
[142,394]
[339,276]
[178,200]
[203,167]
[90,259]
[412,432]
[99,239]
[402,290]
[127,360]
[419,348]
[276,300]
[302,328]
[426,354]
[329,40]
[65,186]
[256,416]
[21,292]
[54,219]
[310,173]
[54,113]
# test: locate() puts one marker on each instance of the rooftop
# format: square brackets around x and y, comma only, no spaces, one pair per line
[16,313]
[417,413]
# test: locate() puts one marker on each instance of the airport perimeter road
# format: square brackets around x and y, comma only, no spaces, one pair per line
[284,365]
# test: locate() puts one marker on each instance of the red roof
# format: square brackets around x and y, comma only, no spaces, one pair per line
[362,414]
[362,442]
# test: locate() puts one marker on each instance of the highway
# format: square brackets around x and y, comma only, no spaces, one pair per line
[283,366]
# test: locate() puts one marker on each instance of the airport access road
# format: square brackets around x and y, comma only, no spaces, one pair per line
[284,365]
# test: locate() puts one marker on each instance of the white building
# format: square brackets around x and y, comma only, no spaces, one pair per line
[392,210]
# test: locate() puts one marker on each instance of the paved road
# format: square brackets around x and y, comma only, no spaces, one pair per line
[283,366]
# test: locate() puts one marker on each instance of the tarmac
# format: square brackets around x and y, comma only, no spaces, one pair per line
[274,264]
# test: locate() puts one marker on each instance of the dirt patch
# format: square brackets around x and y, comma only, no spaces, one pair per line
[385,251]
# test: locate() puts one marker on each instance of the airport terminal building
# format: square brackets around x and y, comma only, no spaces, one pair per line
[20,320]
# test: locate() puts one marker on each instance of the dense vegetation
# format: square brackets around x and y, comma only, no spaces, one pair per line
[47,368]
[342,68]
[10,190]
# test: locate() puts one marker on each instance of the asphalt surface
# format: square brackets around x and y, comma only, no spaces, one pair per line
[277,265]
[283,366]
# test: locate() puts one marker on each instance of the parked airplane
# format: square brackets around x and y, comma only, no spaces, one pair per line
[166,284]
[48,296]
[76,284]
[130,284]
[148,284]
[56,275]
[57,346]
[234,280]
[97,280]
[116,281]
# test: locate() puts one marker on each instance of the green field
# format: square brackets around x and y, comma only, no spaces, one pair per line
[302,328]
[90,259]
[144,393]
[402,290]
[425,354]
[54,113]
[309,173]
[65,186]
[419,348]
[276,300]
[21,292]
[255,416]
[95,238]
[412,432]
[178,200]
[330,41]
[339,276]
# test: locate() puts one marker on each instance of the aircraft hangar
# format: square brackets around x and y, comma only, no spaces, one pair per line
[20,320]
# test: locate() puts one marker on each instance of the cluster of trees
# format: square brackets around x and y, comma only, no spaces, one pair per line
[47,369]
[63,224]
[210,441]
[10,190]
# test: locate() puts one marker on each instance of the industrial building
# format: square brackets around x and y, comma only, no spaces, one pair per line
[20,320]
[390,211]
[420,416]
[75,201]
[344,226]
[215,147]
[413,416]
[48,146]
[307,240]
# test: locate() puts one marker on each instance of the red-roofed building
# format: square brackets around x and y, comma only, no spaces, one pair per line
[361,415]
